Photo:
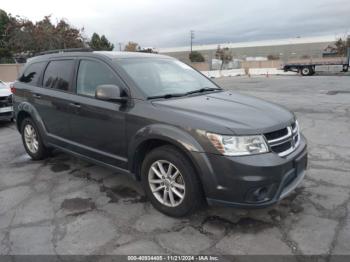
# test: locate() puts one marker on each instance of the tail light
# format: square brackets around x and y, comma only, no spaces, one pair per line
[13,88]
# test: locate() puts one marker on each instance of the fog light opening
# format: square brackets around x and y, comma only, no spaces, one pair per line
[261,194]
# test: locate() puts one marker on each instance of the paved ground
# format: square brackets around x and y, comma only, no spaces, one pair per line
[67,206]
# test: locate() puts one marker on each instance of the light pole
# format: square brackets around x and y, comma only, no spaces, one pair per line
[192,37]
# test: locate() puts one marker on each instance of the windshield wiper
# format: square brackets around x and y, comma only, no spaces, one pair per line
[166,96]
[205,89]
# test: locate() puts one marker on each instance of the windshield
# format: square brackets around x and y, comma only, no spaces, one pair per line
[160,77]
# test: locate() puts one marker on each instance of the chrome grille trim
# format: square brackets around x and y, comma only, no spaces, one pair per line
[291,139]
[277,140]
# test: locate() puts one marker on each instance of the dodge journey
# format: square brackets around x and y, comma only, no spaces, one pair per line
[188,141]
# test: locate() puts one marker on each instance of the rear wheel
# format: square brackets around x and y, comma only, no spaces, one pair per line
[306,71]
[170,182]
[32,140]
[345,68]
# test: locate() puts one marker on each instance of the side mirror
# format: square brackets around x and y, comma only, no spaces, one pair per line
[109,93]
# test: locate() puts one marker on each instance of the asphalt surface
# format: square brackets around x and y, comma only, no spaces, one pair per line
[64,205]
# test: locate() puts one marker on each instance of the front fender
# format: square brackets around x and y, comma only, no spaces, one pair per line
[164,132]
[181,139]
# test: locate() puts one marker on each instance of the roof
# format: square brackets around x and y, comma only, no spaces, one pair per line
[116,54]
[106,54]
[276,42]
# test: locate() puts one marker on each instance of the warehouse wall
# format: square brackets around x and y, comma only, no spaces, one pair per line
[285,52]
[9,72]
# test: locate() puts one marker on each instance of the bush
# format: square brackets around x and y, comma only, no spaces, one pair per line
[5,56]
[196,56]
[273,57]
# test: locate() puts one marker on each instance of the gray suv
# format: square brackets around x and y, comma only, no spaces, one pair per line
[159,120]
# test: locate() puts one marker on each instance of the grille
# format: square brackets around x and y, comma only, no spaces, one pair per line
[6,114]
[284,141]
[5,101]
[276,134]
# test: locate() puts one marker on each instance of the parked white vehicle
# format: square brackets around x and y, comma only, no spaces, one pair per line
[6,107]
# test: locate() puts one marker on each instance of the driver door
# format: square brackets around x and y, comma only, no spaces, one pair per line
[98,127]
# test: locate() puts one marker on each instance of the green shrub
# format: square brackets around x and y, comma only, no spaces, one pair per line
[196,56]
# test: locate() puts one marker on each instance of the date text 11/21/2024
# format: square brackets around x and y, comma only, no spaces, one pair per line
[173,258]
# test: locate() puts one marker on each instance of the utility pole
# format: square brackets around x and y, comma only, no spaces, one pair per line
[120,46]
[192,37]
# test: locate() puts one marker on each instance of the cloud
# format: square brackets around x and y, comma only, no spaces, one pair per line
[168,22]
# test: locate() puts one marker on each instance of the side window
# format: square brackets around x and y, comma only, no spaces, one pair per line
[58,75]
[32,73]
[92,74]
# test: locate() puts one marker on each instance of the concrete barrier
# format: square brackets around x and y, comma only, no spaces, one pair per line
[211,74]
[233,72]
[221,73]
[269,71]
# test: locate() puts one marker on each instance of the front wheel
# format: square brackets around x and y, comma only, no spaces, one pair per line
[32,140]
[170,182]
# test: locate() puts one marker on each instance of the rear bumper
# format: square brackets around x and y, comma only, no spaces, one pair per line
[252,181]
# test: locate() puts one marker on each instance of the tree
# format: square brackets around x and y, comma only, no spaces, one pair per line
[132,47]
[95,41]
[5,56]
[196,56]
[5,53]
[19,35]
[4,20]
[100,43]
[341,46]
[224,54]
[23,38]
[105,44]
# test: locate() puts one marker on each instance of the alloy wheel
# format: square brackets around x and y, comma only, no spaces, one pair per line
[31,139]
[166,183]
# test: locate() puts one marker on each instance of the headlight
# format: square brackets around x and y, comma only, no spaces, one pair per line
[238,145]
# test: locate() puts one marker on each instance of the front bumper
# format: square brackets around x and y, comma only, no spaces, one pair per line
[252,181]
[6,116]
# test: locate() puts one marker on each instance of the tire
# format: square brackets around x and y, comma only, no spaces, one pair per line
[345,68]
[186,178]
[38,152]
[306,71]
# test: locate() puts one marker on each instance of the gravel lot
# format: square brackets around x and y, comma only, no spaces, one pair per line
[67,206]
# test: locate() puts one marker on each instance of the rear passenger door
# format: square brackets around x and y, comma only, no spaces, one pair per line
[54,98]
[98,127]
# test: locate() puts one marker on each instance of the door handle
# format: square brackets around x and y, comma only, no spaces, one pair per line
[76,105]
[36,95]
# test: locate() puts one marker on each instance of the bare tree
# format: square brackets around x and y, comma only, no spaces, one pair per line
[341,46]
[224,54]
[132,47]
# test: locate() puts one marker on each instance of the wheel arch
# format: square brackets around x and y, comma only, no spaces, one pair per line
[25,110]
[158,135]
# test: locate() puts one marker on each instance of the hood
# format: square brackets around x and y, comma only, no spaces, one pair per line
[241,114]
[5,91]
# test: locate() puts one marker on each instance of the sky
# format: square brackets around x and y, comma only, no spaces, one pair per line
[167,23]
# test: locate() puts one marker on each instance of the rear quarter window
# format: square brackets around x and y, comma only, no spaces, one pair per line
[58,75]
[31,74]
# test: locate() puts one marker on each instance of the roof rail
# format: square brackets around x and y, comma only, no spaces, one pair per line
[67,50]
